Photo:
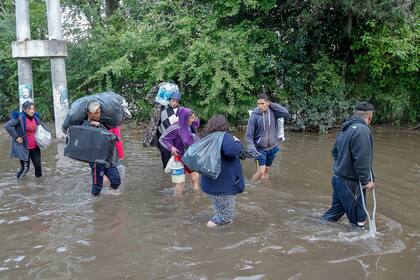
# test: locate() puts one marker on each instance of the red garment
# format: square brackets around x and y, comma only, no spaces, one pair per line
[118,144]
[30,133]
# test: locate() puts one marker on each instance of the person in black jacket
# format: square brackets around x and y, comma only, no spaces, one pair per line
[352,153]
[22,128]
[230,181]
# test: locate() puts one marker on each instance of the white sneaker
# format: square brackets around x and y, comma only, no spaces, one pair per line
[210,224]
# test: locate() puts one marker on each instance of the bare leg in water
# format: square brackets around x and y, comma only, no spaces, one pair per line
[259,173]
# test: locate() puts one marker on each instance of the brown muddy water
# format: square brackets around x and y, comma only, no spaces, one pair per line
[51,228]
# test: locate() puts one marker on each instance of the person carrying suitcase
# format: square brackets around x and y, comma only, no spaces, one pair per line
[99,170]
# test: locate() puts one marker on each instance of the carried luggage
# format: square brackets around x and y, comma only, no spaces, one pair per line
[42,137]
[204,155]
[165,92]
[90,144]
[114,109]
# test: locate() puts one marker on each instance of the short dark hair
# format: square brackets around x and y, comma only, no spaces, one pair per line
[262,96]
[27,105]
[364,107]
[216,123]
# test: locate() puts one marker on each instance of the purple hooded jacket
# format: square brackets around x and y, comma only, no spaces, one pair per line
[180,134]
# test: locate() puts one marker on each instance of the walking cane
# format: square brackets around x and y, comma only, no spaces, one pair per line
[372,222]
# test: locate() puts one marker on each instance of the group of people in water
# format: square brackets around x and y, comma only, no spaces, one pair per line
[173,129]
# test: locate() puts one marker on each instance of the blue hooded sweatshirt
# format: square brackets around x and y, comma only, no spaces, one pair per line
[262,128]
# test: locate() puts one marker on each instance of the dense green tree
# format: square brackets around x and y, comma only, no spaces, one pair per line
[316,56]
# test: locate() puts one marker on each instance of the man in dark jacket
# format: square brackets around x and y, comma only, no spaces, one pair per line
[261,134]
[352,153]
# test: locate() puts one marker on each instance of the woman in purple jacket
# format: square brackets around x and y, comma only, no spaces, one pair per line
[178,137]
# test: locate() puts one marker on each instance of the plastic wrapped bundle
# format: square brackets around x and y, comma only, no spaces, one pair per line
[165,92]
[204,155]
[114,110]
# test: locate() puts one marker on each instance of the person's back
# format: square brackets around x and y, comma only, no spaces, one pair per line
[230,180]
[222,190]
[352,152]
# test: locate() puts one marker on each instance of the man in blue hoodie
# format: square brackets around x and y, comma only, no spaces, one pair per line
[352,153]
[261,134]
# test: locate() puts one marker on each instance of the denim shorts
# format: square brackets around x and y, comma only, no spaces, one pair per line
[267,157]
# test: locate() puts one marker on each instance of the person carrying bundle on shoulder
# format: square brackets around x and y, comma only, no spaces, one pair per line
[163,116]
[99,170]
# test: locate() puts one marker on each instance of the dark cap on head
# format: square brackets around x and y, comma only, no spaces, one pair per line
[364,107]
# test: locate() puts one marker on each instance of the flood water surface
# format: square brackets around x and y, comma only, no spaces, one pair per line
[51,228]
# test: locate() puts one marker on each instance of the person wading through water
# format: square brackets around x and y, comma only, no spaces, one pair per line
[261,134]
[22,128]
[352,153]
[178,137]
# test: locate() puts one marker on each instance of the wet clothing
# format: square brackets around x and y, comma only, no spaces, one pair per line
[35,157]
[262,128]
[346,199]
[21,125]
[230,180]
[98,170]
[266,157]
[224,208]
[352,153]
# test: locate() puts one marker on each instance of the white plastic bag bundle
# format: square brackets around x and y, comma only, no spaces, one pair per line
[170,165]
[43,137]
[280,136]
[165,92]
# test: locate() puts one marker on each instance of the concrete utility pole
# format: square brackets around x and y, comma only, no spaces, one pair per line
[25,49]
[58,67]
[23,33]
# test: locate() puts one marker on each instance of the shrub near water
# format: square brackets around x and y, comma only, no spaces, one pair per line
[316,57]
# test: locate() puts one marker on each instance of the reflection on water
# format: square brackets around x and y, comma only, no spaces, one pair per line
[52,228]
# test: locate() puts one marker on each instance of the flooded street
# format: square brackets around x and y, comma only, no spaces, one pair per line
[52,228]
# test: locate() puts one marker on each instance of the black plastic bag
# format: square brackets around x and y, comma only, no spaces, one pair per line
[204,156]
[113,110]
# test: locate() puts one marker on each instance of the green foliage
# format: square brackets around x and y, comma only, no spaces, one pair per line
[390,61]
[317,57]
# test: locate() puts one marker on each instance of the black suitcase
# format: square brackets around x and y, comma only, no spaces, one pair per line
[89,144]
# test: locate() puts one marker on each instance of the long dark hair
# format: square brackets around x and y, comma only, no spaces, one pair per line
[216,123]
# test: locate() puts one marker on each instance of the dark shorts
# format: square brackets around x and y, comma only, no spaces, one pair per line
[267,157]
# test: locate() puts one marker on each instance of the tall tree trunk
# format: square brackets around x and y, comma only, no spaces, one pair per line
[110,7]
[348,28]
